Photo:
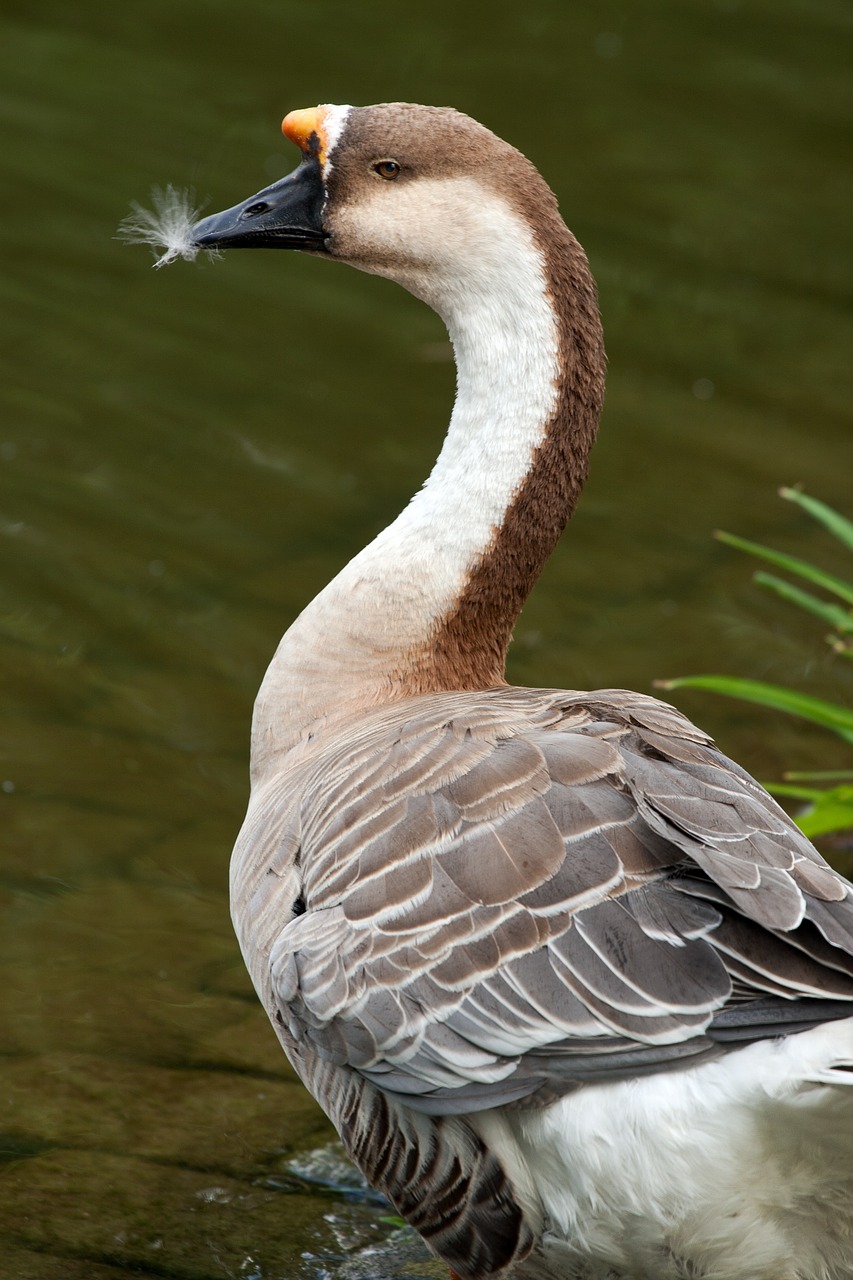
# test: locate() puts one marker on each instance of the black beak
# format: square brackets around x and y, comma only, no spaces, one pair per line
[287,215]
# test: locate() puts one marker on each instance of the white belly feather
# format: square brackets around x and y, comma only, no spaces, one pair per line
[738,1169]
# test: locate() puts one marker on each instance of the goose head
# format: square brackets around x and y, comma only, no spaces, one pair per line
[424,196]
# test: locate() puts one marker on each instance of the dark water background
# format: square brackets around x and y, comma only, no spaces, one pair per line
[187,456]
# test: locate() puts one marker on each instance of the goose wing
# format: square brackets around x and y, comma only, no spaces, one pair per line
[509,894]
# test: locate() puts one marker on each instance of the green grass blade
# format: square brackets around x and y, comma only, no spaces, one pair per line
[835,614]
[811,794]
[828,714]
[792,564]
[819,775]
[831,811]
[829,518]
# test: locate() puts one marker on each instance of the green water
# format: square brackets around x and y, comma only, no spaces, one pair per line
[186,456]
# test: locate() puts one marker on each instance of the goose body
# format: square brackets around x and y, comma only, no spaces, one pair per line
[575,992]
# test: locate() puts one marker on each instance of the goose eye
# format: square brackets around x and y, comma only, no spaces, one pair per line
[387,169]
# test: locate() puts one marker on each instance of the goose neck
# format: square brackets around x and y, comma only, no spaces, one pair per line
[430,604]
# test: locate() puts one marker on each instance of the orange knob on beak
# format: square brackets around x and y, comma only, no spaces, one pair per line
[306,129]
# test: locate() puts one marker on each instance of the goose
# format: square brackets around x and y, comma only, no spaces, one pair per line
[575,992]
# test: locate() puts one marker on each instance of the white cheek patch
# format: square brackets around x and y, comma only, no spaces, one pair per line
[450,241]
[167,227]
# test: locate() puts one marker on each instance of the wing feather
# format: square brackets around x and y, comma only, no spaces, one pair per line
[508,899]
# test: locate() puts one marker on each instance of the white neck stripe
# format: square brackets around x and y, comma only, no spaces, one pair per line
[385,605]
